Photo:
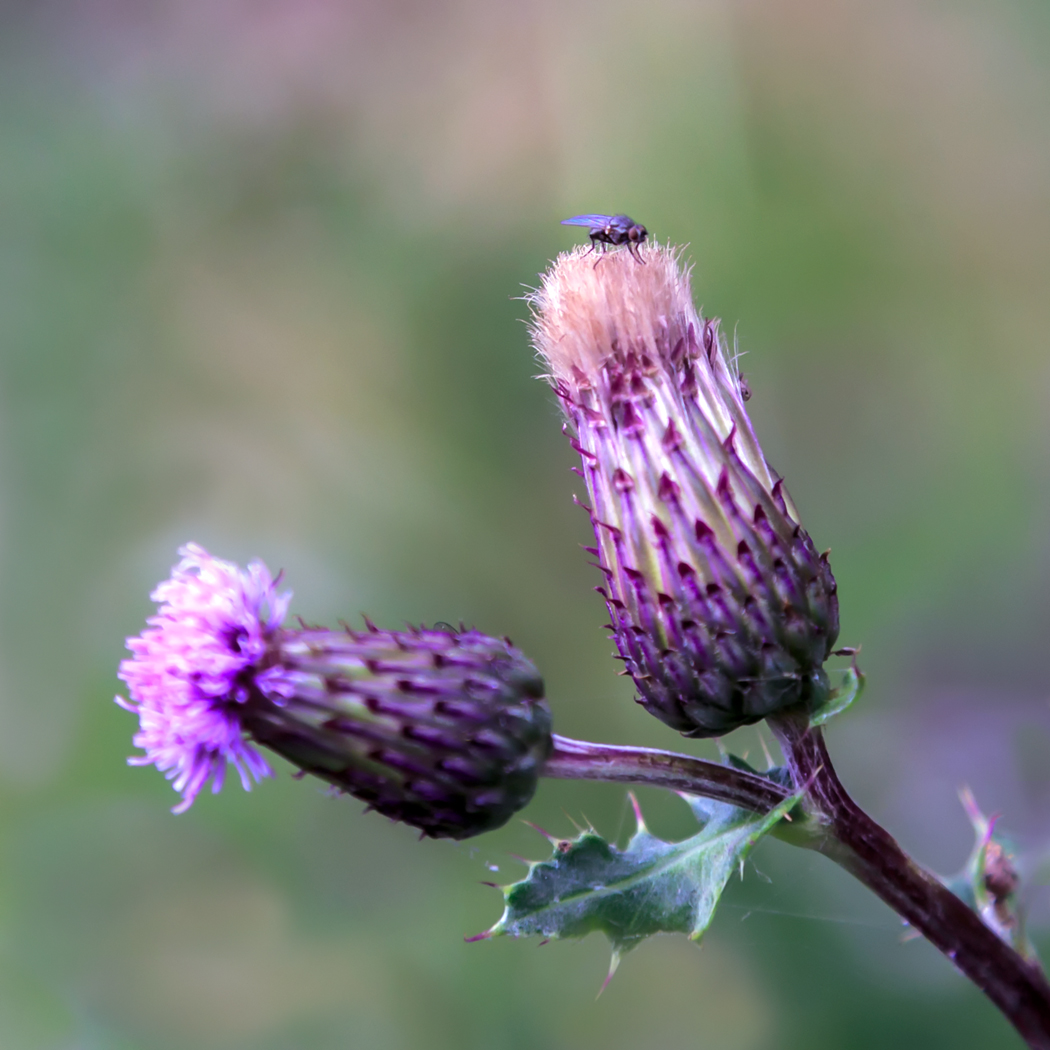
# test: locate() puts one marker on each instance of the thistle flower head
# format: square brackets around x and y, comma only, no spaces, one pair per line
[192,670]
[445,730]
[720,607]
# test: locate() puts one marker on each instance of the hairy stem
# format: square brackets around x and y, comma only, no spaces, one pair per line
[582,760]
[846,834]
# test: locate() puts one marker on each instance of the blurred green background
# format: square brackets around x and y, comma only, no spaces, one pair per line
[260,267]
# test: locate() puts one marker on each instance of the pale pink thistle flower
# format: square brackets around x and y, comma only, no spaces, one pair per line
[721,608]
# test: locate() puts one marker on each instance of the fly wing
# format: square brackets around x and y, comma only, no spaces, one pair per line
[594,221]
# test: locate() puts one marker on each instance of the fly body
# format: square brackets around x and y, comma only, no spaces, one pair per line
[611,229]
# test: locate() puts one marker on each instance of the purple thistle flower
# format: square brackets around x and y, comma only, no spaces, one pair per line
[192,671]
[445,730]
[721,608]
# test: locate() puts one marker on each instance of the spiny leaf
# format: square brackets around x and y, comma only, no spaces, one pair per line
[651,886]
[799,827]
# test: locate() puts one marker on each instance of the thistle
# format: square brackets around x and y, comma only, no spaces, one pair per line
[721,608]
[445,730]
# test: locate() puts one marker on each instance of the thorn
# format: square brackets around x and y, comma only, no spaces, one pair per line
[494,885]
[765,749]
[586,453]
[552,839]
[487,935]
[579,827]
[614,962]
[637,813]
[546,940]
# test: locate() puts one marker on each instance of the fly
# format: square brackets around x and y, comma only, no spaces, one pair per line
[612,229]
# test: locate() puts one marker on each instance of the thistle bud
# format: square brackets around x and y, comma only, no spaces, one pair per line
[720,607]
[445,730]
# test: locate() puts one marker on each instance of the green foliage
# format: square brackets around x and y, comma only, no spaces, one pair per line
[651,886]
[840,697]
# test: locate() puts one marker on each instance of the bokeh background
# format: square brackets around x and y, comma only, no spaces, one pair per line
[261,265]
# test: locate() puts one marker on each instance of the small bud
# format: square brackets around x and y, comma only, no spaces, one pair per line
[990,882]
[1001,880]
[445,730]
[721,607]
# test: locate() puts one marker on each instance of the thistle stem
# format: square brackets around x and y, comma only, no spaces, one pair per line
[848,836]
[582,760]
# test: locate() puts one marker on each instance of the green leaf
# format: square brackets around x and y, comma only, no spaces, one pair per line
[839,698]
[651,886]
